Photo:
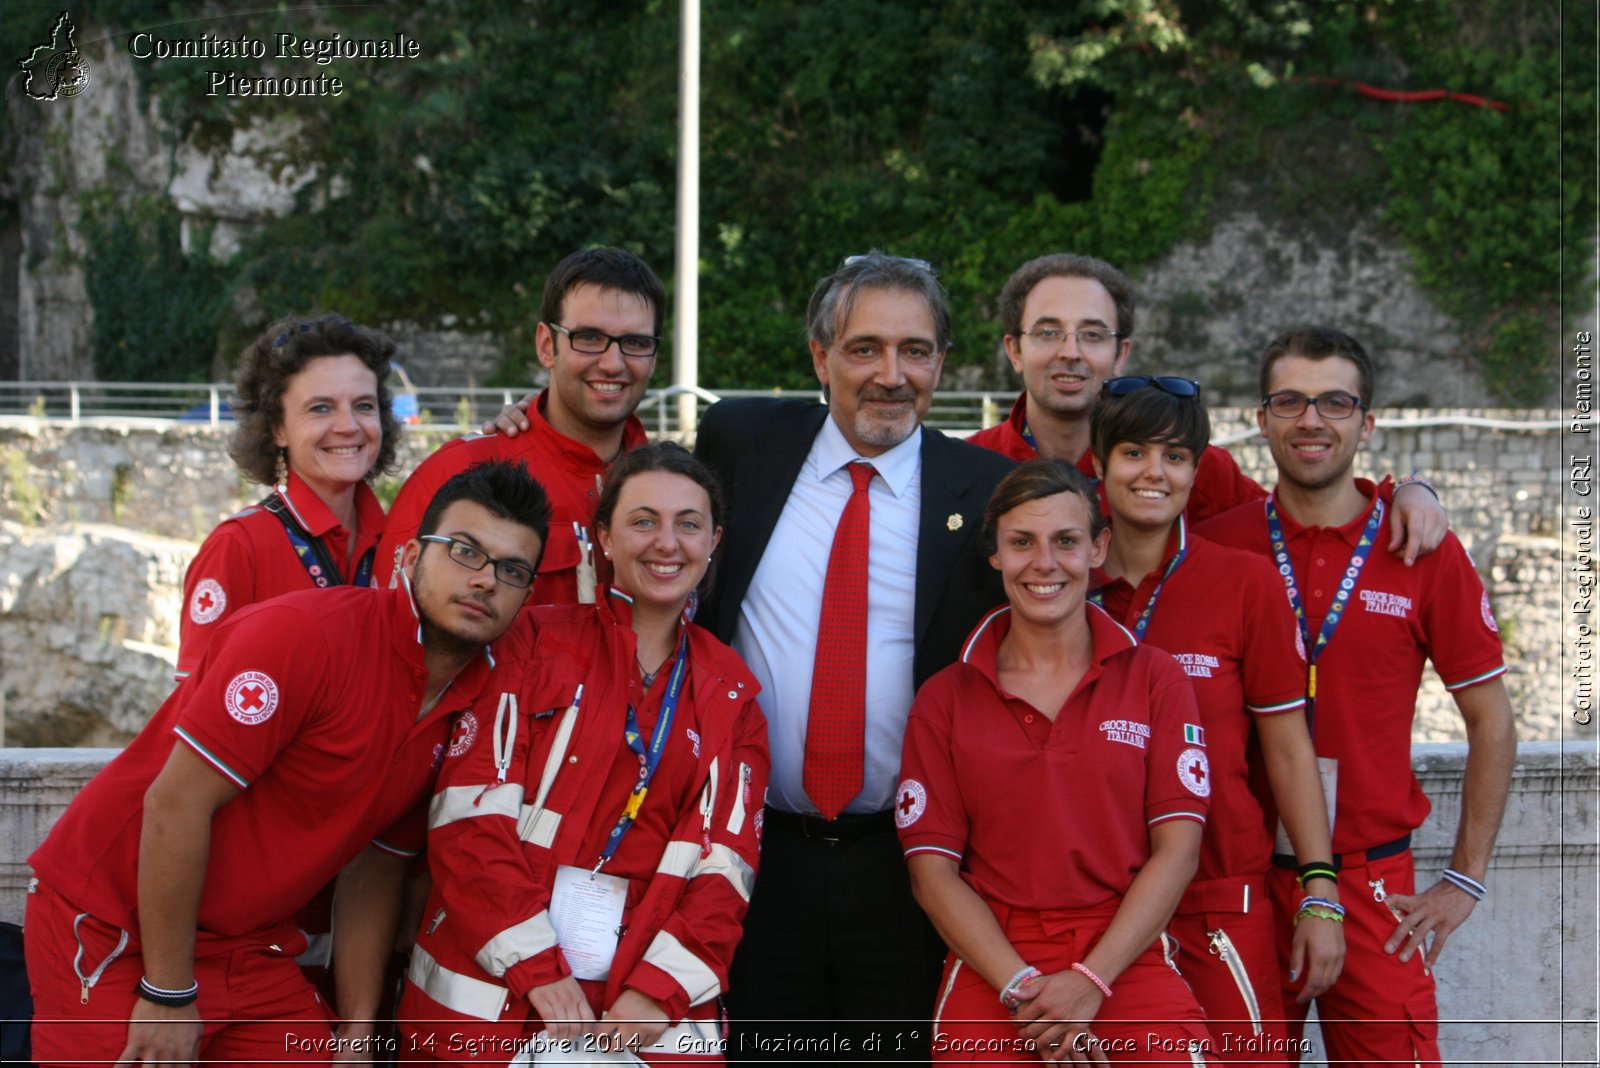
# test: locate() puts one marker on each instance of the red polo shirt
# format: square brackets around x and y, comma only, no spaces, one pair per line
[1223,617]
[1050,814]
[309,704]
[569,471]
[1218,482]
[1367,676]
[249,558]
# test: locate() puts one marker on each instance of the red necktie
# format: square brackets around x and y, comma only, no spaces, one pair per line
[837,727]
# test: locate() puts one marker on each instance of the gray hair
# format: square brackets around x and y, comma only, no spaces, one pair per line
[834,297]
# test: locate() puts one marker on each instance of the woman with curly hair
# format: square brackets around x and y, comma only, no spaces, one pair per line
[315,424]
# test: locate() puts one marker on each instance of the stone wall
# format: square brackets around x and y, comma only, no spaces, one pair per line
[1516,982]
[1502,487]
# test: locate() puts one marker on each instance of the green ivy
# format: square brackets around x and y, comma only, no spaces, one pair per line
[158,311]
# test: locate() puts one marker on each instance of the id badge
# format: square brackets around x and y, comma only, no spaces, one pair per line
[1328,770]
[586,911]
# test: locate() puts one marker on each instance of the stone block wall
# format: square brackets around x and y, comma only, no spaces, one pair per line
[1517,982]
[1502,487]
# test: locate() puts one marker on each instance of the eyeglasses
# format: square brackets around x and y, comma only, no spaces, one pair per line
[475,559]
[1126,384]
[594,342]
[1287,404]
[1090,338]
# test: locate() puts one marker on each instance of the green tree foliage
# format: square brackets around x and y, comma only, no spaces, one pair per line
[973,133]
[158,311]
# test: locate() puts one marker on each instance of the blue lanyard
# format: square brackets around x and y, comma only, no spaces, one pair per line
[1143,622]
[309,550]
[648,758]
[1330,622]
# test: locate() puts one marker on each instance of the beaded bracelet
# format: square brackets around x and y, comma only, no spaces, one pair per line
[172,999]
[1320,908]
[1011,993]
[1414,479]
[1318,912]
[1466,884]
[1316,869]
[1083,969]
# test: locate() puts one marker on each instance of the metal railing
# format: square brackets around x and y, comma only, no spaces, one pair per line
[458,409]
[443,408]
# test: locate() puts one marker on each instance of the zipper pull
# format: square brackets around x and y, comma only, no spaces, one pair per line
[1379,894]
[1217,948]
[84,997]
[433,925]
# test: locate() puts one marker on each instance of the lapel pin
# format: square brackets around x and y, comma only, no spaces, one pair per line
[954,522]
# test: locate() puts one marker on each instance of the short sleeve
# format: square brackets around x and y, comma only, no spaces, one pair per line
[221,580]
[256,688]
[1274,666]
[1462,632]
[929,811]
[1178,781]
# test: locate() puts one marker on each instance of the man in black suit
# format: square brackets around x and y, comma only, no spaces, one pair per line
[833,933]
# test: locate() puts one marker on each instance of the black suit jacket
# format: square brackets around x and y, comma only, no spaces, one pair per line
[757,447]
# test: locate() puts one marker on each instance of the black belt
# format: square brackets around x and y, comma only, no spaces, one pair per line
[842,829]
[1378,852]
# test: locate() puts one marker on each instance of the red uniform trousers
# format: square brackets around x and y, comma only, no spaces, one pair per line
[257,1006]
[1152,1017]
[1228,953]
[430,1033]
[1381,1009]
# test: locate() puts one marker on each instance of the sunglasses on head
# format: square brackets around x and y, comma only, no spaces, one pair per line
[1123,385]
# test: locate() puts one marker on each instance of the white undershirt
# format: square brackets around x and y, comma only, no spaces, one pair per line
[778,620]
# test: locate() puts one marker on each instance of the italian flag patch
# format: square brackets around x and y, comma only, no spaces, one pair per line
[1193,735]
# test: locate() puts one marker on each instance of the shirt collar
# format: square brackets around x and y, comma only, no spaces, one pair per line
[896,467]
[633,433]
[308,509]
[406,638]
[1177,542]
[1349,532]
[983,645]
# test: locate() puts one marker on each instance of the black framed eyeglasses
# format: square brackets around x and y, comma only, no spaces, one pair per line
[1123,385]
[475,559]
[1289,404]
[594,342]
[1090,338]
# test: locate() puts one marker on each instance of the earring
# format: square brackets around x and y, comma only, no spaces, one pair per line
[281,469]
[708,558]
[606,553]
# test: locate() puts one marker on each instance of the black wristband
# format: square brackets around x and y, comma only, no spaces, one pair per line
[172,999]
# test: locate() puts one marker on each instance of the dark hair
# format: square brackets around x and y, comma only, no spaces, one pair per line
[666,456]
[503,489]
[272,359]
[1149,415]
[1319,343]
[834,296]
[1065,265]
[607,268]
[1034,480]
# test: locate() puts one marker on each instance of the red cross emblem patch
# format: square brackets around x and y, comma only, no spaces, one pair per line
[1194,771]
[208,602]
[463,734]
[252,697]
[910,802]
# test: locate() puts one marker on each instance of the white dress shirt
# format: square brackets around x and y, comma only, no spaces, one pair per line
[779,618]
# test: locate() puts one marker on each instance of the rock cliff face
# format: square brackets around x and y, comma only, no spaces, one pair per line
[62,149]
[88,631]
